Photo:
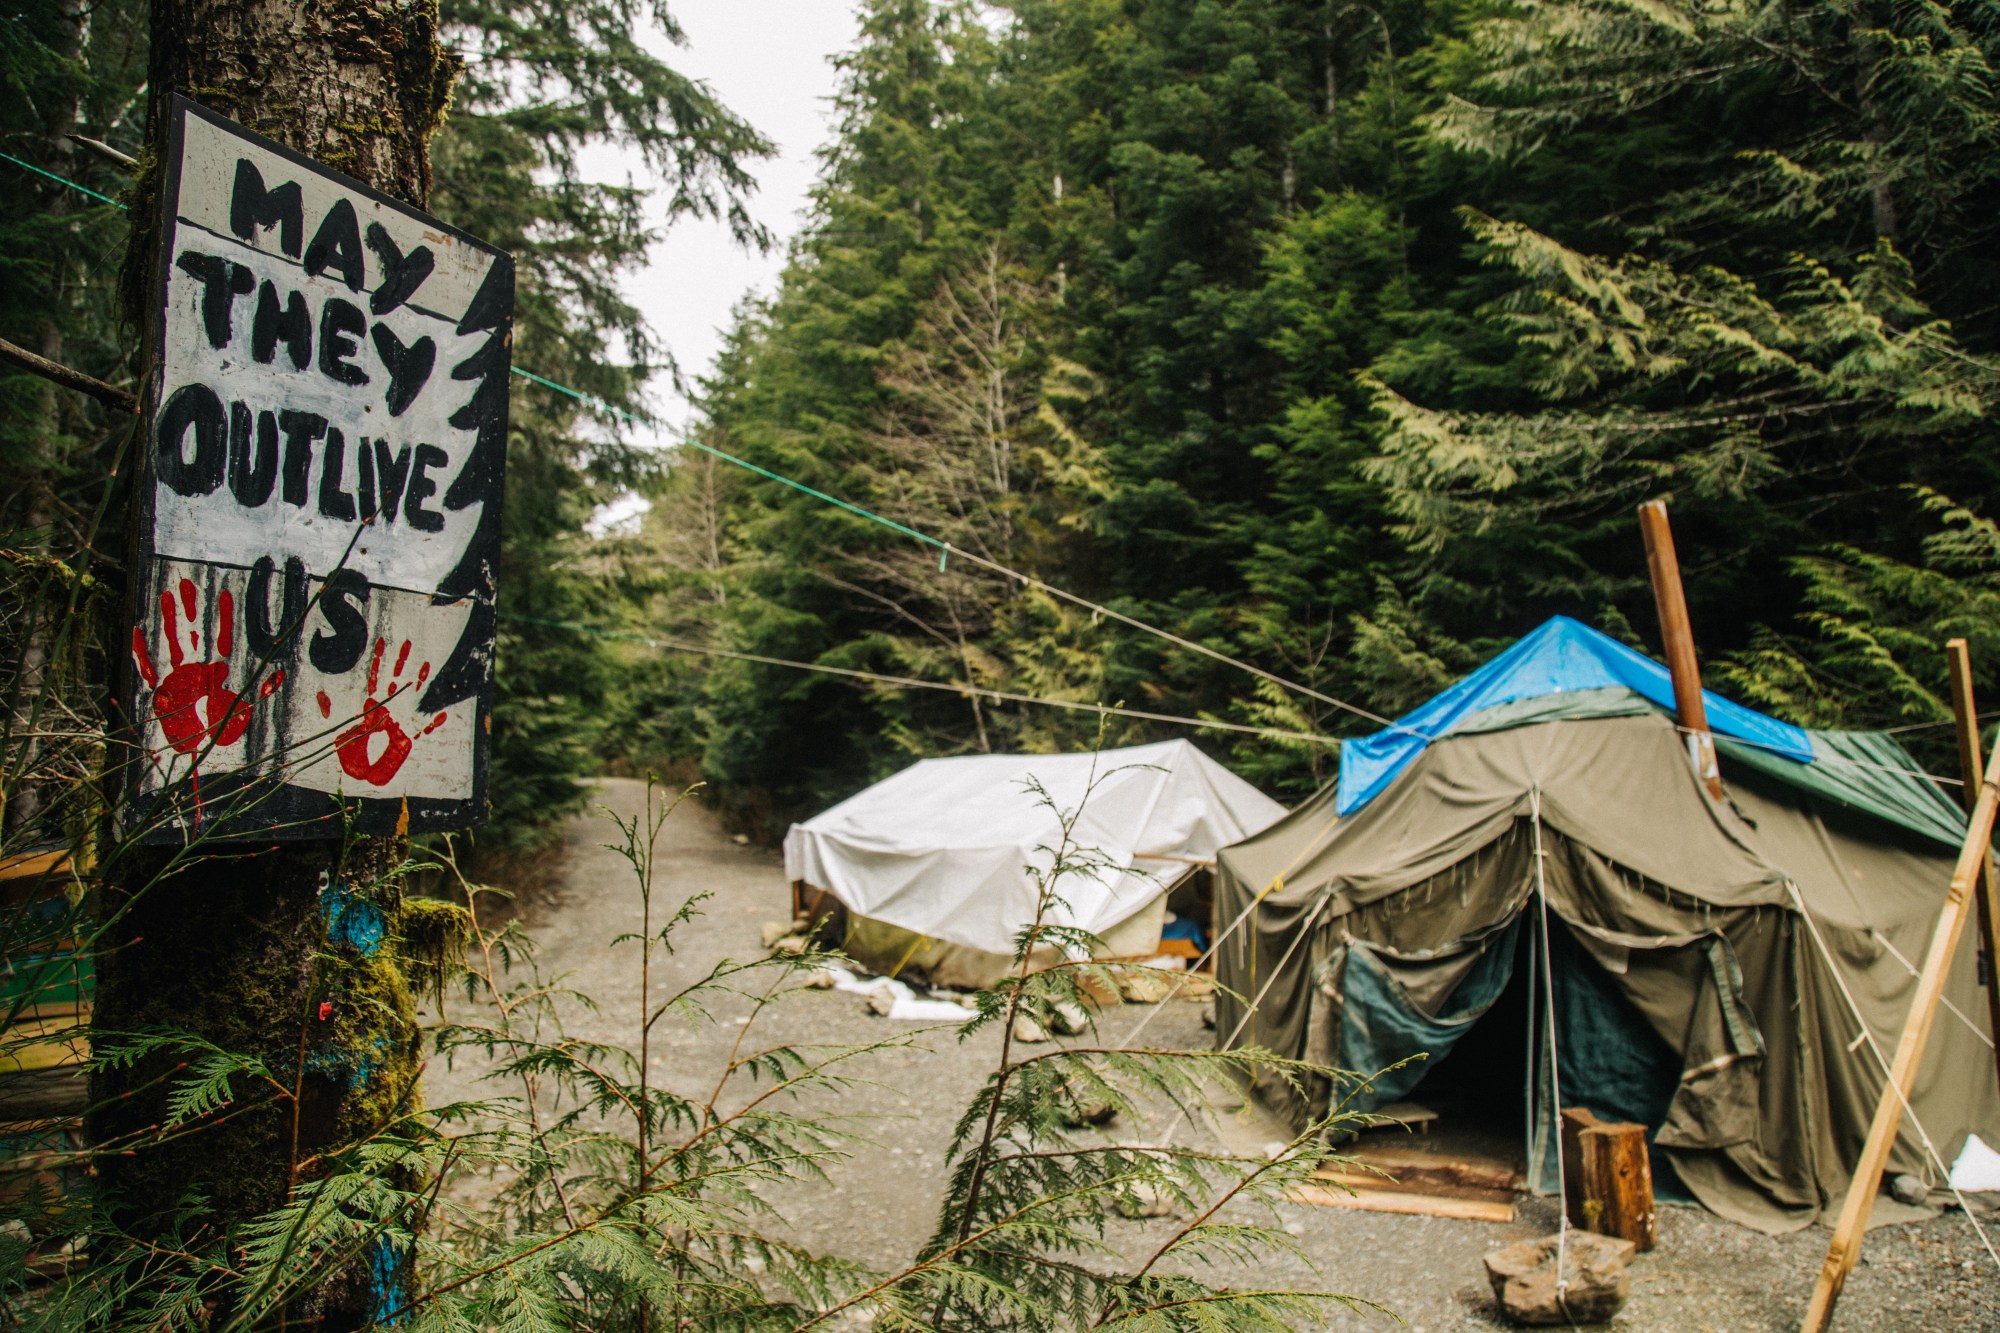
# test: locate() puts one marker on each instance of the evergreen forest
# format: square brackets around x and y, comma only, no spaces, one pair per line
[1241,370]
[1338,338]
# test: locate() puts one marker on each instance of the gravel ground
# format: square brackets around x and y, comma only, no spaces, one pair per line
[1706,1276]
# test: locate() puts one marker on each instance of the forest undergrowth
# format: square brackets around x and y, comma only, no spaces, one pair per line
[607,1199]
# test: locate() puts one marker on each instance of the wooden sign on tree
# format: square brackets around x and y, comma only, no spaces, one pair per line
[312,638]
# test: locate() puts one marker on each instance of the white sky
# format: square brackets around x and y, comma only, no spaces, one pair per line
[768,61]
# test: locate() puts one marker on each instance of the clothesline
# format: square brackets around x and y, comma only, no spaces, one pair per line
[913,682]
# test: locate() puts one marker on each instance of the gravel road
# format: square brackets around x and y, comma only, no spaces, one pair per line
[1707,1275]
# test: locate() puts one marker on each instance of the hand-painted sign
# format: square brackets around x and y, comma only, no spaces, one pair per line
[312,636]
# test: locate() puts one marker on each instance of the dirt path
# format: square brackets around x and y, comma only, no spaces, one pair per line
[1708,1276]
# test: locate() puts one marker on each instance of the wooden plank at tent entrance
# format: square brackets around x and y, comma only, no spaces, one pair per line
[1854,1210]
[1967,713]
[1419,1205]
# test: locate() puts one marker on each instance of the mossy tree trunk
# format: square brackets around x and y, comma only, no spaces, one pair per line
[293,953]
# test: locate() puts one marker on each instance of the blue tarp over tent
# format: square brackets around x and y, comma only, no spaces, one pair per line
[1563,656]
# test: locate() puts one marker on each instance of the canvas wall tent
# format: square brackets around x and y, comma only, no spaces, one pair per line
[942,856]
[1708,959]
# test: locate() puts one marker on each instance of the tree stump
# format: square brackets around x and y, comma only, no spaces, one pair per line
[1607,1178]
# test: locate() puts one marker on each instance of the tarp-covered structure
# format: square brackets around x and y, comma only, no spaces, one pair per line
[947,854]
[1712,963]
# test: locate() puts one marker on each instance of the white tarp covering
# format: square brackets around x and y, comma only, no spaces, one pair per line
[944,848]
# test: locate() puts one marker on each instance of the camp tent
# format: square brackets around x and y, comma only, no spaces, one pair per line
[1712,963]
[938,864]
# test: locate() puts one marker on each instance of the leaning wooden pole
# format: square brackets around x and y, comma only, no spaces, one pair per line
[1966,710]
[1677,636]
[1847,1232]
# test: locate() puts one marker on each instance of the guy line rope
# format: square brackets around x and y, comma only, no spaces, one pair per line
[912,682]
[945,551]
[1867,1038]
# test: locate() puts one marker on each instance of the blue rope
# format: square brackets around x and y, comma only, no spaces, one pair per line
[591,400]
[63,180]
[944,547]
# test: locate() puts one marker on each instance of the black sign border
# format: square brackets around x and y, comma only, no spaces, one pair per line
[232,806]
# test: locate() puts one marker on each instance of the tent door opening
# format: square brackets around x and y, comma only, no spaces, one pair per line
[1483,1102]
[1459,1115]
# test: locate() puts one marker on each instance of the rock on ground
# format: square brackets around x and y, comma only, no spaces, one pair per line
[1577,1277]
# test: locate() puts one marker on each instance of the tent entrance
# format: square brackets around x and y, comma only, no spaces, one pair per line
[1458,1118]
[1482,1101]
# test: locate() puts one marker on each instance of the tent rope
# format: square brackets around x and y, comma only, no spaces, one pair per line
[913,683]
[1555,1065]
[945,548]
[1277,882]
[1530,1162]
[1928,726]
[1868,1038]
[1305,929]
[1910,967]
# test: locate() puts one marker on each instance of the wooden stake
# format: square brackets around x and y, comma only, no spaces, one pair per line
[1963,706]
[1847,1232]
[1574,1120]
[1677,636]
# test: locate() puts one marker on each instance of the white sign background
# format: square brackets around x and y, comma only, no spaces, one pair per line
[324,458]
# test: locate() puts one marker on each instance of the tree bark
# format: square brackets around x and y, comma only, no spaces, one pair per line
[255,949]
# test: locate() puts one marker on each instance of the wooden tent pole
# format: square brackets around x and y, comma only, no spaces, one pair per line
[1967,713]
[1847,1232]
[1677,636]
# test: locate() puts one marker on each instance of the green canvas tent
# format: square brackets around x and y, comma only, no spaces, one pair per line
[1731,974]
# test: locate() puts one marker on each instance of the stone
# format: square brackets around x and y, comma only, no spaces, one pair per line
[1146,1201]
[1208,1015]
[791,945]
[1069,1018]
[740,839]
[821,978]
[1594,1282]
[1145,985]
[773,931]
[881,1000]
[1078,1114]
[1028,1031]
[1907,1189]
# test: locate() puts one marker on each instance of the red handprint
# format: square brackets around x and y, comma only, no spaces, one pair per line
[194,705]
[355,743]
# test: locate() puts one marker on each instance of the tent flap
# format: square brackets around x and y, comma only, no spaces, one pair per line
[1400,1016]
